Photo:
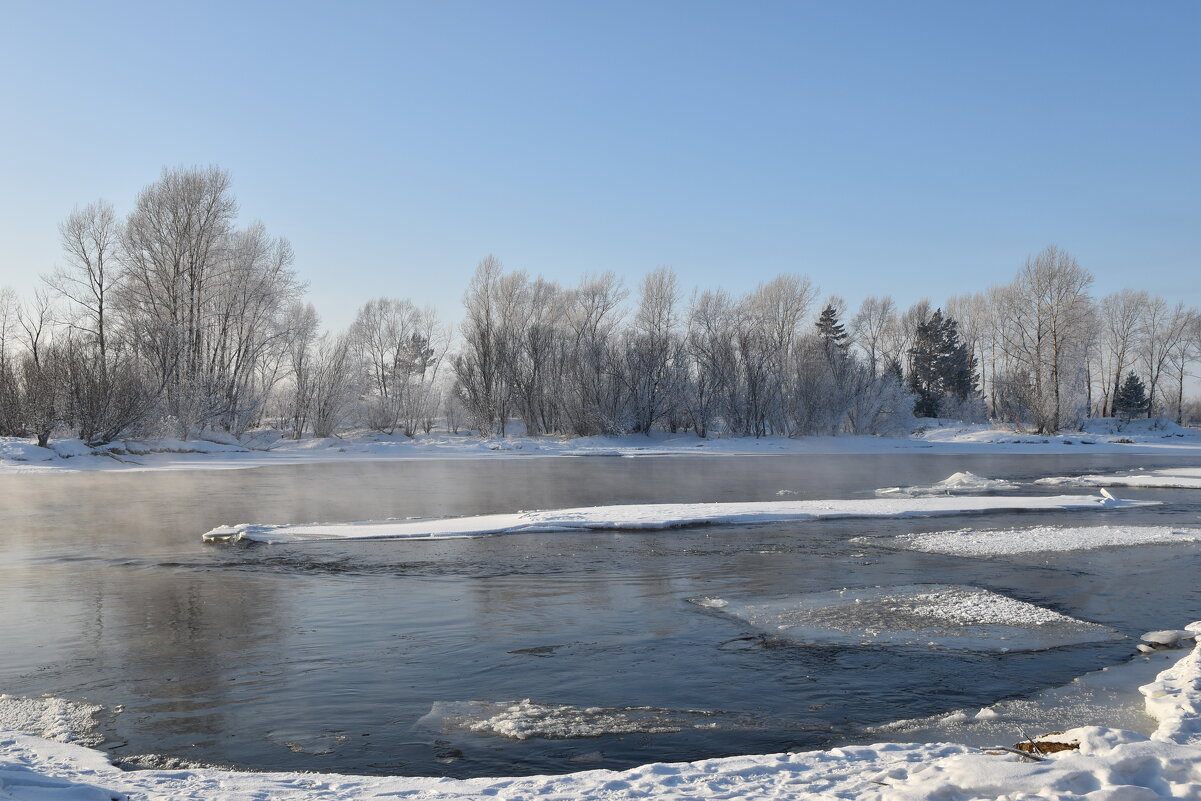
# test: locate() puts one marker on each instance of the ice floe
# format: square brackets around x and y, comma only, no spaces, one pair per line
[522,720]
[918,615]
[1037,539]
[662,516]
[1169,478]
[962,483]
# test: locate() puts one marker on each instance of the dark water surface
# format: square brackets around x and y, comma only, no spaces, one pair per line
[324,656]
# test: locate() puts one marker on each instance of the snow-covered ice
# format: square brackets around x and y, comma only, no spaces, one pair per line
[1109,765]
[661,516]
[1036,539]
[917,615]
[962,483]
[1168,478]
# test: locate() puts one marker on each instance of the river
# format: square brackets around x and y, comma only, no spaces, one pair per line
[332,656]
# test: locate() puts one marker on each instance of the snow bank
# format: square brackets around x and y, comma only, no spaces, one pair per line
[659,516]
[1171,478]
[1009,542]
[963,483]
[219,451]
[1109,765]
[917,615]
[50,717]
[1106,697]
[1100,435]
[1174,698]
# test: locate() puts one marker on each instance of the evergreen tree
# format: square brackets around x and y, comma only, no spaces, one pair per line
[1131,398]
[941,367]
[833,334]
[925,367]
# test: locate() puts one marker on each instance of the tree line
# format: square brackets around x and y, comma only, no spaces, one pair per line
[174,319]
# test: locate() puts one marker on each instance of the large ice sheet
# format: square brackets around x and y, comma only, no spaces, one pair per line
[963,483]
[923,615]
[1009,542]
[660,516]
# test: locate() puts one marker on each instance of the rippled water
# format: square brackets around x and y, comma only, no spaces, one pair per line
[327,656]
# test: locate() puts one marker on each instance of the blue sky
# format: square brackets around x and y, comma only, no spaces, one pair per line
[913,149]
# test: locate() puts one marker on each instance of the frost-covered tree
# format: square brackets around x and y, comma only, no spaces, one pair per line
[653,352]
[1047,334]
[1120,328]
[591,396]
[481,363]
[870,328]
[399,350]
[1165,330]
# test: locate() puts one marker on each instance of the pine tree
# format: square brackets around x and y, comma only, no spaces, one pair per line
[1131,398]
[833,334]
[940,366]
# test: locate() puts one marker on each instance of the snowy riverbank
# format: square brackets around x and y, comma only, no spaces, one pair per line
[1108,765]
[260,449]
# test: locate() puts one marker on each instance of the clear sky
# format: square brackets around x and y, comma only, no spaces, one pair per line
[904,148]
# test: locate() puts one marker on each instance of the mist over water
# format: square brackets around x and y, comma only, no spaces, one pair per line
[328,655]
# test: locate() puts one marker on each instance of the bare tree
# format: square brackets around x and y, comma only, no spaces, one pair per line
[303,327]
[591,402]
[712,348]
[1048,333]
[1163,333]
[172,251]
[1120,328]
[90,239]
[480,366]
[332,383]
[1182,357]
[652,351]
[34,321]
[871,325]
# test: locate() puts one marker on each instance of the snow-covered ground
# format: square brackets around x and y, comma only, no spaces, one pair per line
[257,449]
[1107,765]
[662,516]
